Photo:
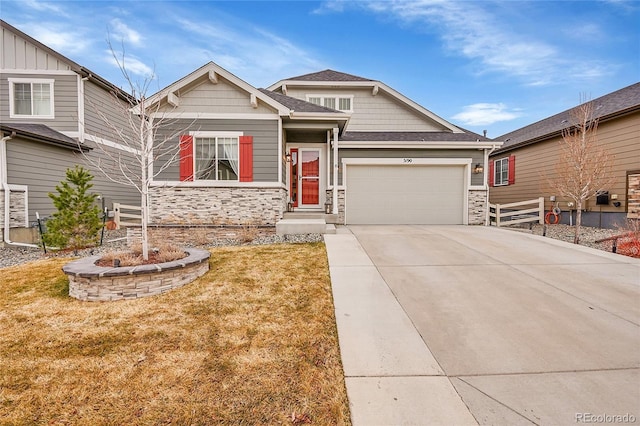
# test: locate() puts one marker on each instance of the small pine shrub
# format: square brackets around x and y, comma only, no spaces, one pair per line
[76,222]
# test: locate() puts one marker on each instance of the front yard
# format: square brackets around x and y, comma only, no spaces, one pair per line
[253,341]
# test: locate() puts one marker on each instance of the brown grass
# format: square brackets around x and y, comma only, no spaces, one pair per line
[158,253]
[251,342]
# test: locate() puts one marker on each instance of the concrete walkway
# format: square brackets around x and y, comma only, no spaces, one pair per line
[461,325]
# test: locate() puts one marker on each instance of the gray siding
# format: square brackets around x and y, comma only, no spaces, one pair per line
[477,156]
[265,144]
[65,96]
[18,53]
[372,113]
[115,110]
[51,163]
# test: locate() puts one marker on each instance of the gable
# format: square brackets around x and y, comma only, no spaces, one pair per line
[379,112]
[204,96]
[21,52]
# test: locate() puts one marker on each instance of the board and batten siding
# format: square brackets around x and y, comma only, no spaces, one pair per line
[20,54]
[220,98]
[536,163]
[51,163]
[115,111]
[65,97]
[265,144]
[477,156]
[376,113]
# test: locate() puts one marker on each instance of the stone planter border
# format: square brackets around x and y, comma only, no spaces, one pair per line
[90,282]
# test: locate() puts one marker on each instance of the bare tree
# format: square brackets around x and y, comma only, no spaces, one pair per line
[584,167]
[136,128]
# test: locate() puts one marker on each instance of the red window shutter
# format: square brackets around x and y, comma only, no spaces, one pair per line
[246,158]
[512,169]
[491,172]
[186,158]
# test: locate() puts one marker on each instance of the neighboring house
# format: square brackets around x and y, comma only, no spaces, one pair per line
[520,168]
[326,141]
[48,116]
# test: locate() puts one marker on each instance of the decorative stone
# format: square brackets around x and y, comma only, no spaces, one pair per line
[93,283]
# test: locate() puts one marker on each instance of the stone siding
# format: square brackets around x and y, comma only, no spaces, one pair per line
[219,205]
[340,203]
[633,197]
[93,283]
[477,206]
[17,201]
[203,235]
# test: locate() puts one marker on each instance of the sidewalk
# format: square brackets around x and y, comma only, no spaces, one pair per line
[391,376]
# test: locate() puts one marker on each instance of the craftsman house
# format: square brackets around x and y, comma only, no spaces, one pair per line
[520,168]
[326,142]
[49,116]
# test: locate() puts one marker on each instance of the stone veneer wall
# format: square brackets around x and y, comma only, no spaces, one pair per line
[17,201]
[477,206]
[199,234]
[340,203]
[217,205]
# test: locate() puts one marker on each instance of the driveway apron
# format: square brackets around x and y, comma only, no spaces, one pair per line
[465,325]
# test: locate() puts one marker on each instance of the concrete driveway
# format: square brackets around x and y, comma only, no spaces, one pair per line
[466,325]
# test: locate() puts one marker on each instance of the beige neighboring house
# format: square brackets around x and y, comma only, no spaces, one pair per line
[519,169]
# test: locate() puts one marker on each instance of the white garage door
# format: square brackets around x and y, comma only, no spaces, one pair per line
[405,194]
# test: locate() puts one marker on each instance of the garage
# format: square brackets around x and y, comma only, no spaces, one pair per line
[405,194]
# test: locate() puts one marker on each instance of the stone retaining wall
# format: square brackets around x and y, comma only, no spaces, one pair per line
[93,283]
[217,205]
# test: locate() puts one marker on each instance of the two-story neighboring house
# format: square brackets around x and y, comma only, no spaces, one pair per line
[49,116]
[326,141]
[521,168]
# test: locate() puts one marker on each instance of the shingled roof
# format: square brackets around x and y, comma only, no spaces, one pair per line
[42,133]
[606,107]
[328,75]
[412,137]
[297,104]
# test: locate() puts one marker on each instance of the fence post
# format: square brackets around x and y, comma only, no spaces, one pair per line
[541,212]
[498,215]
[116,214]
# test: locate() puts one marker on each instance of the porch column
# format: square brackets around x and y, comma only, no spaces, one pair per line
[335,170]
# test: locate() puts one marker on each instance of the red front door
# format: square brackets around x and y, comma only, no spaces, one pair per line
[305,177]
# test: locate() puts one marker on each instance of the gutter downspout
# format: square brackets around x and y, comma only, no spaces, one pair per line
[7,191]
[486,182]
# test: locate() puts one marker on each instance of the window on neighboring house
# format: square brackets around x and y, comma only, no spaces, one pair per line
[503,171]
[341,103]
[216,158]
[31,98]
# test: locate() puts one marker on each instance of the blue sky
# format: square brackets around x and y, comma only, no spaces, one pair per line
[494,65]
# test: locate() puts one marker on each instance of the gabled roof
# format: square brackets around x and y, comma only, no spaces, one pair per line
[609,106]
[41,133]
[212,71]
[328,75]
[73,66]
[333,78]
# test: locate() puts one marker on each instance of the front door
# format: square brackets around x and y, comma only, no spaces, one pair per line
[305,177]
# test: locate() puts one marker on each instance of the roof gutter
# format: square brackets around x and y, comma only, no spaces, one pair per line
[7,192]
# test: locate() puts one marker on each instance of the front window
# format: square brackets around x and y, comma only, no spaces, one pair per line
[31,98]
[216,158]
[501,172]
[340,103]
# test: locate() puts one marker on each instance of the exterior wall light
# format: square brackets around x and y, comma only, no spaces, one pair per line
[478,169]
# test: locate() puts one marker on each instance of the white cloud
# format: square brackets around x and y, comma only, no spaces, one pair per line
[481,114]
[63,41]
[470,30]
[131,65]
[122,32]
[40,6]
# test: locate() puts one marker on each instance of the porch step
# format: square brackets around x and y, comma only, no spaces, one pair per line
[328,218]
[304,226]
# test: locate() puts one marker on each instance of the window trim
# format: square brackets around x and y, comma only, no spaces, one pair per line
[501,182]
[213,134]
[335,97]
[31,81]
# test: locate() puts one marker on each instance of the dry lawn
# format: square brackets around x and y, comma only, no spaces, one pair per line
[253,341]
